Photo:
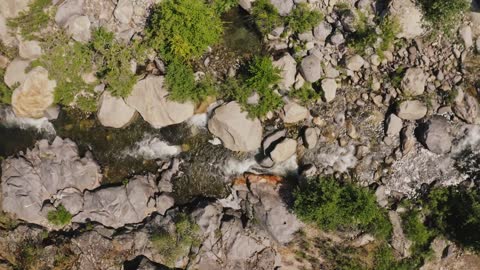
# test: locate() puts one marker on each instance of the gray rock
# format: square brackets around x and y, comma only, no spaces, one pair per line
[114,112]
[413,83]
[163,203]
[409,16]
[322,31]
[15,72]
[68,9]
[310,137]
[411,110]
[466,35]
[348,20]
[35,177]
[235,129]
[337,38]
[311,68]
[79,28]
[466,108]
[284,7]
[288,67]
[435,135]
[29,50]
[150,98]
[12,8]
[293,112]
[399,242]
[393,125]
[284,150]
[245,4]
[355,63]
[271,139]
[124,11]
[329,87]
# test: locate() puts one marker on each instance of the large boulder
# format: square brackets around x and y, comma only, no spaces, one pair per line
[68,9]
[288,67]
[79,28]
[124,11]
[114,112]
[466,107]
[434,134]
[409,17]
[34,95]
[235,129]
[12,8]
[284,7]
[311,68]
[322,31]
[150,98]
[284,150]
[355,62]
[393,125]
[329,87]
[399,241]
[412,110]
[293,112]
[29,50]
[413,82]
[15,72]
[30,180]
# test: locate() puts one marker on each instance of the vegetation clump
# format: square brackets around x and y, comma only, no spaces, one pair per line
[183,29]
[60,216]
[113,59]
[5,91]
[444,14]
[306,94]
[66,62]
[334,206]
[303,18]
[266,16]
[33,20]
[176,245]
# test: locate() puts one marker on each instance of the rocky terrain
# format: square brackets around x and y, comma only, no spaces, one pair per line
[126,143]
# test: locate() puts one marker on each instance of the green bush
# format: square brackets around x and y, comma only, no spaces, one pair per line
[5,91]
[177,245]
[262,73]
[66,61]
[455,212]
[306,95]
[33,20]
[180,81]
[266,16]
[416,231]
[222,6]
[303,18]
[334,206]
[183,28]
[113,60]
[60,216]
[366,35]
[444,14]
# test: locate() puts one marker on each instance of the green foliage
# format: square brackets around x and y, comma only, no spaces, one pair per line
[33,20]
[66,62]
[5,91]
[222,6]
[174,246]
[334,206]
[180,81]
[60,216]
[113,59]
[385,260]
[266,16]
[366,35]
[444,14]
[303,18]
[183,29]
[455,212]
[306,95]
[416,231]
[262,73]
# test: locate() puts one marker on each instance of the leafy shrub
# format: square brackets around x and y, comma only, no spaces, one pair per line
[5,91]
[180,81]
[303,18]
[444,14]
[306,95]
[334,206]
[266,16]
[366,35]
[262,73]
[172,247]
[455,212]
[384,259]
[60,216]
[416,231]
[183,28]
[33,20]
[113,59]
[66,62]
[222,6]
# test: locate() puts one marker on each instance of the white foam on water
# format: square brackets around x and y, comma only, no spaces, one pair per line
[198,120]
[471,140]
[235,166]
[10,120]
[152,148]
[341,159]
